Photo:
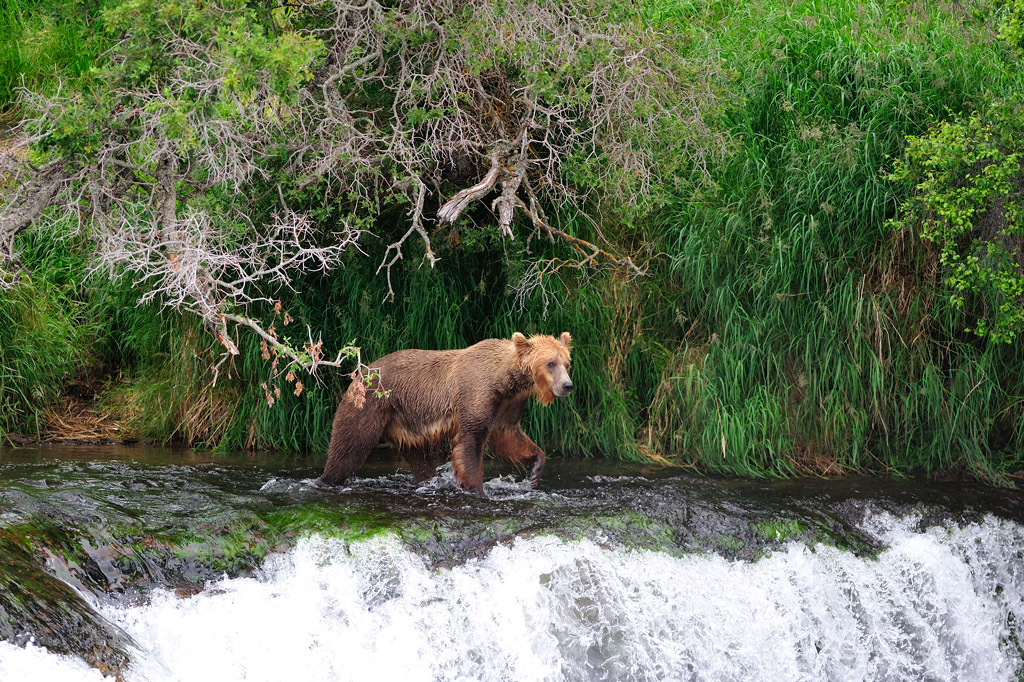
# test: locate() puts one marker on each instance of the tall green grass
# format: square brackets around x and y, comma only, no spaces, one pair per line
[44,331]
[159,363]
[816,341]
[44,334]
[42,42]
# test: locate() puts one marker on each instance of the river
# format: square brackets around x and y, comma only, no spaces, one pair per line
[151,564]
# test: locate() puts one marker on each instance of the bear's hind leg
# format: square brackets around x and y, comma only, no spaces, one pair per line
[421,460]
[468,461]
[355,431]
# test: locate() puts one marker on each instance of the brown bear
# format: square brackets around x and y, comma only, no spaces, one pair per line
[476,395]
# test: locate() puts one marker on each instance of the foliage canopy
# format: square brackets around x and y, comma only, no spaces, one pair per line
[220,149]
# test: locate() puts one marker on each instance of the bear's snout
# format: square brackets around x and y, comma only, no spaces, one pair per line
[566,389]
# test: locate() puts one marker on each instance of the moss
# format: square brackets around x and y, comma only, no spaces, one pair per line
[779,531]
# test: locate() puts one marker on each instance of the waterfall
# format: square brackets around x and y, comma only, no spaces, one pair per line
[942,604]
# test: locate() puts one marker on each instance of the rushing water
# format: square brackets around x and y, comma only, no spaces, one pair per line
[155,565]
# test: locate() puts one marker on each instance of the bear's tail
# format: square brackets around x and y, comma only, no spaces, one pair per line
[355,431]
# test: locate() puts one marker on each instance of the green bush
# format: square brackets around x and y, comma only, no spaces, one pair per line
[967,180]
[812,337]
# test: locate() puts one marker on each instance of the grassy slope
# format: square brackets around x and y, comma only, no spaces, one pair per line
[785,329]
[44,333]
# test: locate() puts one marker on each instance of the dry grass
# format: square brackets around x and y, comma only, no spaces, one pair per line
[80,420]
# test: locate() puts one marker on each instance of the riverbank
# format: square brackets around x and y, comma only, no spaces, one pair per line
[795,317]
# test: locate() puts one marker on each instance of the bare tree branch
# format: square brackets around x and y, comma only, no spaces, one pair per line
[451,119]
[34,189]
[310,358]
[455,206]
[395,249]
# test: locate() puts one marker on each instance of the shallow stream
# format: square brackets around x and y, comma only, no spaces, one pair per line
[149,564]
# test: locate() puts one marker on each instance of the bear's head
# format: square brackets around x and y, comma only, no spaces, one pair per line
[546,360]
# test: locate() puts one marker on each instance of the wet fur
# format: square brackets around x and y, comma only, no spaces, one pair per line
[474,396]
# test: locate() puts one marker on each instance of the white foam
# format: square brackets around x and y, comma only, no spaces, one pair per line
[32,663]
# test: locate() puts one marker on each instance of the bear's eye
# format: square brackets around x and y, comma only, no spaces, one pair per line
[551,364]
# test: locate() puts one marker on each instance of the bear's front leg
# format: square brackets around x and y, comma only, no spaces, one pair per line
[538,467]
[515,447]
[468,461]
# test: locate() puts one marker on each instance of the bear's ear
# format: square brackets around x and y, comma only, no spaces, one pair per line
[565,340]
[521,343]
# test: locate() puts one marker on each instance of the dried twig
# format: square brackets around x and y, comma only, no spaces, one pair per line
[395,249]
